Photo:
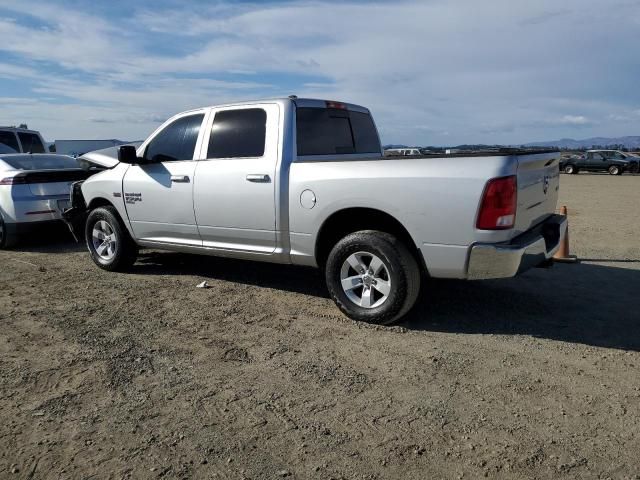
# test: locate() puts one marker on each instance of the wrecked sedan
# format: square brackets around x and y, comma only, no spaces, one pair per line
[34,190]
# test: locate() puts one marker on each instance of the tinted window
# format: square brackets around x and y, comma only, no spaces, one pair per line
[326,131]
[238,133]
[31,143]
[9,139]
[177,141]
[364,133]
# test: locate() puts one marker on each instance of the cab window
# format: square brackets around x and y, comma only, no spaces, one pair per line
[177,141]
[31,142]
[238,134]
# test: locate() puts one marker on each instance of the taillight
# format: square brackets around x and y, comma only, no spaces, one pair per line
[499,203]
[13,181]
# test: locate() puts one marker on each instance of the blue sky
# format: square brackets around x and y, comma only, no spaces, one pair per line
[433,72]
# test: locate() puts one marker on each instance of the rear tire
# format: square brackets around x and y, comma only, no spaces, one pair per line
[109,243]
[7,240]
[614,170]
[372,277]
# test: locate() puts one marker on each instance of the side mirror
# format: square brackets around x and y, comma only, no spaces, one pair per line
[127,154]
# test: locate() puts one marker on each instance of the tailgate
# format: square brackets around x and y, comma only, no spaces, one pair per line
[538,183]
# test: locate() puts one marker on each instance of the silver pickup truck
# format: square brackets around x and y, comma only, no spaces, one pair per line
[304,182]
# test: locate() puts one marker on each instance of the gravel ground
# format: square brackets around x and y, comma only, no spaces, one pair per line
[142,375]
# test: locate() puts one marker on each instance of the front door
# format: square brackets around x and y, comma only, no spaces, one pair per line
[158,193]
[234,189]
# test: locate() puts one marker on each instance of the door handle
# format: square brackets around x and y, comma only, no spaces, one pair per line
[258,178]
[180,178]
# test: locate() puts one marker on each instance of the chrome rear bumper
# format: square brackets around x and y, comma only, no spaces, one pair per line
[532,248]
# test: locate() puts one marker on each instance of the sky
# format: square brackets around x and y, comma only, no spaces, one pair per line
[432,72]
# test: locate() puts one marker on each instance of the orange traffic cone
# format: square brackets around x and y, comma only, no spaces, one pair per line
[562,255]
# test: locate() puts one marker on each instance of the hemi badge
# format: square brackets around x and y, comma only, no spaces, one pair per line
[117,194]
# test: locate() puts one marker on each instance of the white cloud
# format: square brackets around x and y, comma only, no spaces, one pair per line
[500,71]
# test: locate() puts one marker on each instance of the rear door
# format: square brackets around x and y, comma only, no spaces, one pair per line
[158,194]
[234,189]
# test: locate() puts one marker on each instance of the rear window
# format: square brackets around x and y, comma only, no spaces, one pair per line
[40,162]
[238,134]
[327,131]
[31,143]
[8,139]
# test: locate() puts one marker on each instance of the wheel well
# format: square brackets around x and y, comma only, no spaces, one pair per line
[350,220]
[99,202]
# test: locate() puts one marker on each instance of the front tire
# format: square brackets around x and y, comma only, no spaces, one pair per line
[109,243]
[372,277]
[570,170]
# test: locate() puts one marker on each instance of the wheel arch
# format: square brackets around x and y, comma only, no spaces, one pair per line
[354,219]
[100,201]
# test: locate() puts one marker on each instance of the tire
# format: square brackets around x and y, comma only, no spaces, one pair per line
[614,170]
[570,169]
[7,240]
[117,254]
[365,299]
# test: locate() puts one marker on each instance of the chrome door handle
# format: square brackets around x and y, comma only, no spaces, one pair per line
[258,178]
[180,178]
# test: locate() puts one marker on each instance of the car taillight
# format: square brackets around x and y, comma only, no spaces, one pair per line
[337,105]
[13,181]
[499,203]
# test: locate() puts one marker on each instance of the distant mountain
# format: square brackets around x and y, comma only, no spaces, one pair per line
[632,143]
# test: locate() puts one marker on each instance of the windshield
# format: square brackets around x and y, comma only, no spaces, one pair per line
[40,162]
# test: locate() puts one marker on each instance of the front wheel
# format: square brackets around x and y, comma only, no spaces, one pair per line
[570,169]
[110,246]
[614,170]
[372,277]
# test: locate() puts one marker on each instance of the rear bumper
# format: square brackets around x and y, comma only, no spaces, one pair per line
[20,229]
[532,248]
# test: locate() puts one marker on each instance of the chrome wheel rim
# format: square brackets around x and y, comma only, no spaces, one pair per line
[365,280]
[105,240]
[569,170]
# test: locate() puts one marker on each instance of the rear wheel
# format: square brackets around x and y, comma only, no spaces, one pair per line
[614,170]
[108,241]
[372,277]
[6,239]
[570,169]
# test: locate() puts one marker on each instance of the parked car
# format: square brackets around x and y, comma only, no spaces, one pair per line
[402,152]
[612,161]
[304,182]
[21,140]
[34,189]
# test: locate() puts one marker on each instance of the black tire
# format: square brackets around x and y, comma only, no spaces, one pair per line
[125,251]
[7,239]
[615,170]
[401,266]
[570,169]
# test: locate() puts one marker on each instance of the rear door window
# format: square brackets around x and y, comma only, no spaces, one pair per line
[31,142]
[9,139]
[177,141]
[238,134]
[329,131]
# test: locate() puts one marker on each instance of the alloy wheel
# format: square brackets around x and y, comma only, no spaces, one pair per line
[365,279]
[104,239]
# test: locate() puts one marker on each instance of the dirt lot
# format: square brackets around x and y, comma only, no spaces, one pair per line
[142,375]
